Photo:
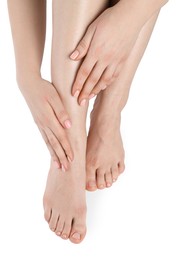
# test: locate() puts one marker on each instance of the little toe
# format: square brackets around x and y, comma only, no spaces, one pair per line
[78,231]
[115,173]
[100,175]
[91,180]
[60,226]
[108,179]
[53,221]
[67,229]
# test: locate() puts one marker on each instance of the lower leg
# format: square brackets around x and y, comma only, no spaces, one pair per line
[64,199]
[105,153]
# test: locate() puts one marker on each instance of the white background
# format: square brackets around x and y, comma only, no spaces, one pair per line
[139,218]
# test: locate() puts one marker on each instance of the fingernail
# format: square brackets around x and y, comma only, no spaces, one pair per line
[69,159]
[104,87]
[83,102]
[67,124]
[74,54]
[63,168]
[57,164]
[76,236]
[91,96]
[76,94]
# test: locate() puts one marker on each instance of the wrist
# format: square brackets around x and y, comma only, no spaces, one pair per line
[23,77]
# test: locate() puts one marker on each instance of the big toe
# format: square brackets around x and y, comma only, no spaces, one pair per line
[78,231]
[91,180]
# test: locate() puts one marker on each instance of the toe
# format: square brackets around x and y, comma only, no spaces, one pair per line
[121,167]
[47,214]
[91,180]
[53,221]
[100,179]
[78,231]
[115,173]
[60,226]
[67,229]
[108,179]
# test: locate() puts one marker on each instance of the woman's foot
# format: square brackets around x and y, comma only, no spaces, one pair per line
[105,153]
[64,198]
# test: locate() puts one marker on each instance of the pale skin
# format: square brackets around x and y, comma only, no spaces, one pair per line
[64,198]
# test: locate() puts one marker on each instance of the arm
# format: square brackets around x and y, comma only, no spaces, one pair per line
[27,18]
[107,44]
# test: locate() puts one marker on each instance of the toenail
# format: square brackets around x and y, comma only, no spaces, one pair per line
[76,236]
[101,186]
[64,236]
[58,233]
[114,180]
[92,184]
[108,184]
[53,229]
[83,102]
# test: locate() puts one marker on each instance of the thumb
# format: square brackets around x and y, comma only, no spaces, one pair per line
[83,46]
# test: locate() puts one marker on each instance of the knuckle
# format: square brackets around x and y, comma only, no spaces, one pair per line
[84,72]
[93,79]
[62,115]
[107,78]
[83,44]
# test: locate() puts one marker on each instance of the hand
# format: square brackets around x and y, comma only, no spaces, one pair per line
[106,45]
[51,118]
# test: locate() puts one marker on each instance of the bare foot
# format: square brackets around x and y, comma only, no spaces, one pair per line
[64,198]
[105,153]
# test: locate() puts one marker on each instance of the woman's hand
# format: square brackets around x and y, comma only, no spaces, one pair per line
[50,116]
[106,44]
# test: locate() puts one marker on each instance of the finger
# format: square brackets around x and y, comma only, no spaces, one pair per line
[52,152]
[83,46]
[82,75]
[90,83]
[63,140]
[106,79]
[56,104]
[53,142]
[107,76]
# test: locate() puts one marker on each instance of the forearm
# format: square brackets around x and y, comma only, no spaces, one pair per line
[140,11]
[28,25]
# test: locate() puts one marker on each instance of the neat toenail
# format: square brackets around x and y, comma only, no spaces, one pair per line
[76,236]
[64,236]
[53,229]
[83,102]
[114,180]
[108,184]
[92,184]
[58,233]
[101,186]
